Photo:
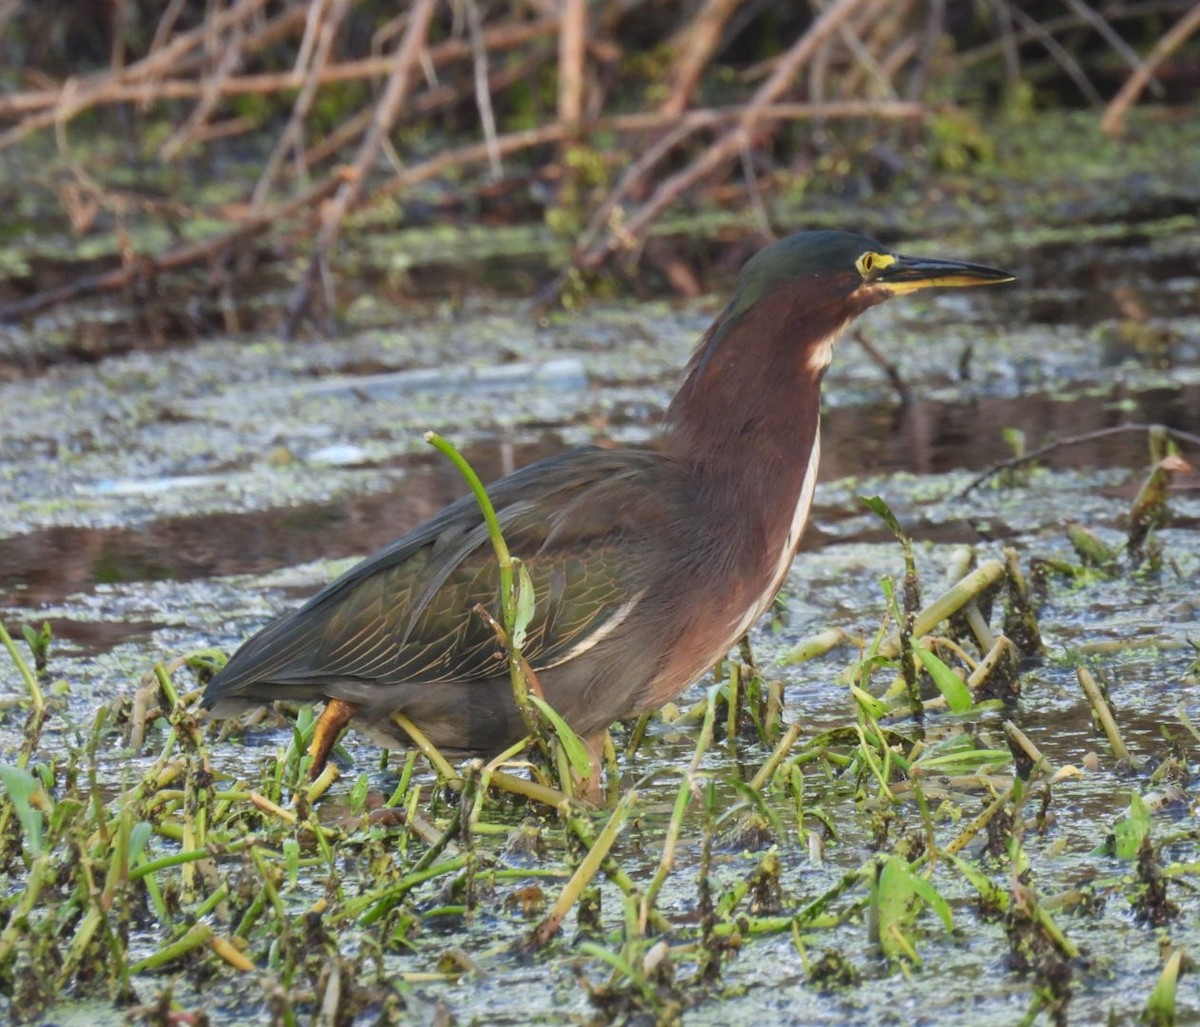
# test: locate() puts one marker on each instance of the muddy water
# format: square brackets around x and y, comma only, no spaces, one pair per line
[153,504]
[918,436]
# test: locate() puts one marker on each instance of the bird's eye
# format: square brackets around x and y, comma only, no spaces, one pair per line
[871,262]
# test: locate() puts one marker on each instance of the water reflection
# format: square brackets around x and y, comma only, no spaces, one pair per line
[921,437]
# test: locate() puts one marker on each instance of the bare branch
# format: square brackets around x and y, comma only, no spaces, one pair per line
[334,212]
[1172,41]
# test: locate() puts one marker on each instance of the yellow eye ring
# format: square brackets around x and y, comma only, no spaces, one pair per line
[871,262]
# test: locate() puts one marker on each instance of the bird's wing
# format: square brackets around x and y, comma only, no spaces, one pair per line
[407,614]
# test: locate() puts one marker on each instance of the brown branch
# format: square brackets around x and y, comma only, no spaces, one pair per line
[928,38]
[733,141]
[696,43]
[75,96]
[1072,440]
[1115,12]
[103,90]
[314,51]
[1111,123]
[333,213]
[639,169]
[173,259]
[429,101]
[166,24]
[1109,34]
[483,94]
[571,53]
[864,39]
[230,51]
[1055,49]
[646,122]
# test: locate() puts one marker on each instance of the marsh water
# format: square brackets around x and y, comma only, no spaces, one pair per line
[156,503]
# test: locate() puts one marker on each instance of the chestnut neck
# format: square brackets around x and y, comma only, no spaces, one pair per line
[747,419]
[750,400]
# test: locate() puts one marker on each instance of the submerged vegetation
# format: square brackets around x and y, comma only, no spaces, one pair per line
[922,829]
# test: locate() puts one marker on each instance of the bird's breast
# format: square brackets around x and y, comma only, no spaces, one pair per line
[753,586]
[772,580]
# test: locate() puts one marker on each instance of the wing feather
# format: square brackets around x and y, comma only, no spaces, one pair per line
[580,523]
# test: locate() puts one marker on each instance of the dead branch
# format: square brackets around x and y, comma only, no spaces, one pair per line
[40,108]
[571,50]
[187,255]
[483,94]
[695,44]
[334,212]
[1115,114]
[516,141]
[1072,440]
[230,52]
[434,99]
[1007,43]
[731,143]
[315,50]
[76,96]
[847,51]
[1055,49]
[1102,28]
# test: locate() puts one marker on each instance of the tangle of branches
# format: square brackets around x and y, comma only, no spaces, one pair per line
[620,109]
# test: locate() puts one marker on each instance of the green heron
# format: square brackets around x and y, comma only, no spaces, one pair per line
[648,564]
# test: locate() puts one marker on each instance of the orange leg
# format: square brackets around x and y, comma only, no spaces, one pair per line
[336,715]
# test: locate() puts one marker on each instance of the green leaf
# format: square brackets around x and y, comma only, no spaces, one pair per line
[893,908]
[22,786]
[65,811]
[952,687]
[524,604]
[758,803]
[872,707]
[967,762]
[898,898]
[1014,438]
[880,509]
[577,752]
[1160,1006]
[291,857]
[139,835]
[1090,548]
[358,794]
[933,899]
[1130,831]
[888,587]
